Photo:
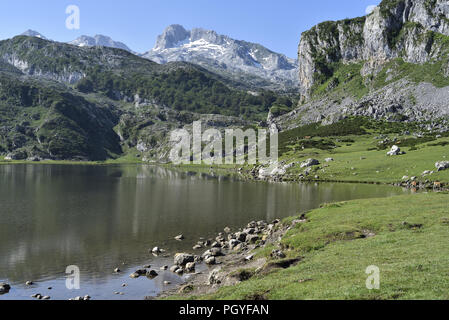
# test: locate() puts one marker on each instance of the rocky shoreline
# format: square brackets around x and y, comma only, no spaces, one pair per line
[230,258]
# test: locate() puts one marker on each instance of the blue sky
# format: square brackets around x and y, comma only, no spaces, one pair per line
[276,24]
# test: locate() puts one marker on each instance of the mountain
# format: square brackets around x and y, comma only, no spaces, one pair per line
[64,102]
[99,40]
[32,33]
[241,61]
[392,64]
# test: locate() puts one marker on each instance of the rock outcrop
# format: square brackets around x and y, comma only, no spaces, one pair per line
[396,28]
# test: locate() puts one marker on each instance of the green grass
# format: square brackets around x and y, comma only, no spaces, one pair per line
[354,145]
[353,162]
[412,260]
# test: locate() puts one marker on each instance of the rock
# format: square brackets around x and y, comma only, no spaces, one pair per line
[250,231]
[197,247]
[4,287]
[117,270]
[181,259]
[216,252]
[186,289]
[46,298]
[395,151]
[152,274]
[210,260]
[249,258]
[164,268]
[427,172]
[147,266]
[180,237]
[190,267]
[174,268]
[309,163]
[253,239]
[180,271]
[216,245]
[277,254]
[214,277]
[29,283]
[87,297]
[442,165]
[166,283]
[227,230]
[156,250]
[138,273]
[240,246]
[233,243]
[329,159]
[404,178]
[241,236]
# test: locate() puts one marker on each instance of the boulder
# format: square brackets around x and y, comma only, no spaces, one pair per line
[442,165]
[210,260]
[213,252]
[241,236]
[156,250]
[395,151]
[329,159]
[190,267]
[180,237]
[233,243]
[214,277]
[309,163]
[4,287]
[152,274]
[181,259]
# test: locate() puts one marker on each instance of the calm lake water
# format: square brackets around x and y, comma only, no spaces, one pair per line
[102,217]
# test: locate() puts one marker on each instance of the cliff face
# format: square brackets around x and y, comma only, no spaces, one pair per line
[406,29]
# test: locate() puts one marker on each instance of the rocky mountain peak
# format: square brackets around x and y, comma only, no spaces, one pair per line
[172,35]
[246,62]
[32,33]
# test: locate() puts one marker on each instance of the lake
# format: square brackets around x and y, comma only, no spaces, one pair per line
[102,217]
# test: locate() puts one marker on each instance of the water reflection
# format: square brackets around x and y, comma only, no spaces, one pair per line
[98,217]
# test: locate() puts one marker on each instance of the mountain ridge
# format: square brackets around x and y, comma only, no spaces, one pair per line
[224,55]
[391,64]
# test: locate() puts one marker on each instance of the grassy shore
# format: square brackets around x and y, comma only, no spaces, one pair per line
[405,236]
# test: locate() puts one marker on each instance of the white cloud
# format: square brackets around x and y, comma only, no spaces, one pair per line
[370,9]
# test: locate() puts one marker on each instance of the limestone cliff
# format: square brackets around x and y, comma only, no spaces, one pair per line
[407,29]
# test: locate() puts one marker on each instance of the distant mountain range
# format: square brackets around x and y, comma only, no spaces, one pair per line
[250,64]
[240,60]
[99,40]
